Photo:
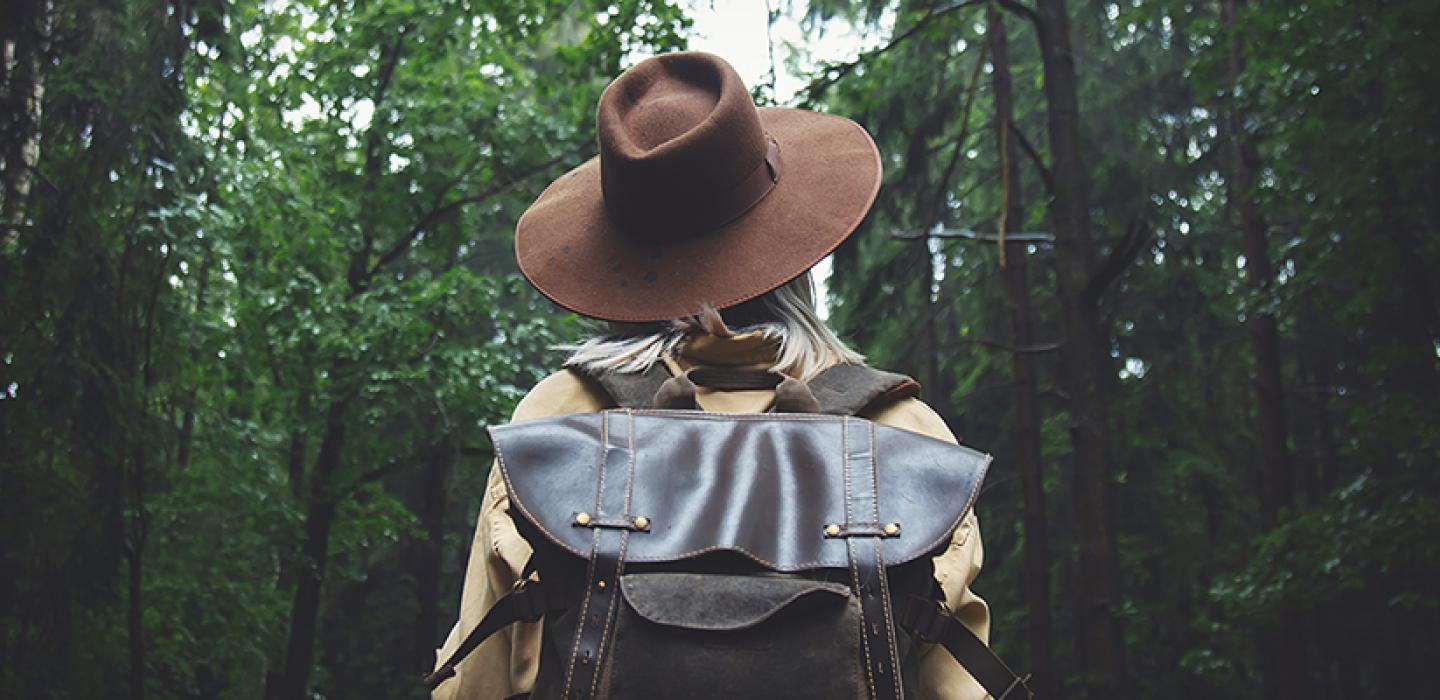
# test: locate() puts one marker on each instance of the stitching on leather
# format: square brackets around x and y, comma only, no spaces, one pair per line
[609,614]
[630,478]
[909,554]
[590,566]
[882,573]
[889,623]
[850,552]
[949,532]
[715,415]
[519,505]
[797,566]
[864,632]
[604,458]
[580,621]
[610,610]
[874,478]
[636,585]
[845,465]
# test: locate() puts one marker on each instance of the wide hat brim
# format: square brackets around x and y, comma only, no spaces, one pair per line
[579,257]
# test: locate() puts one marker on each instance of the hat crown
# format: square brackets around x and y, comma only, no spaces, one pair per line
[678,133]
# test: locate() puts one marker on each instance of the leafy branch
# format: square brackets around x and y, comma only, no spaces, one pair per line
[440,212]
[834,73]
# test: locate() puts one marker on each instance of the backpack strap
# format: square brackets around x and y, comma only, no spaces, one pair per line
[526,603]
[631,389]
[842,390]
[930,623]
[848,389]
[611,524]
[869,579]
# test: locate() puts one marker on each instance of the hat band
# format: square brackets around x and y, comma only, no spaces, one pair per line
[688,219]
[743,197]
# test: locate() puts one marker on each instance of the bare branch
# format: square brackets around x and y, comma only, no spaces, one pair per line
[940,200]
[1137,238]
[836,72]
[440,212]
[1020,9]
[1031,349]
[374,140]
[1034,155]
[1017,237]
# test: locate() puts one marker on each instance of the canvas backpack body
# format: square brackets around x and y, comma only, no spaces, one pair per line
[686,554]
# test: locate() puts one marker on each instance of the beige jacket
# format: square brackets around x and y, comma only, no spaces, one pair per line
[506,664]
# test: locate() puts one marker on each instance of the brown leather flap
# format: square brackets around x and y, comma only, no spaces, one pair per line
[720,602]
[761,485]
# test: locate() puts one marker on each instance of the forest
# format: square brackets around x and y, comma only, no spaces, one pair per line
[1168,260]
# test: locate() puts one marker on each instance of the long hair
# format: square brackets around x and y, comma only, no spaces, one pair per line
[786,315]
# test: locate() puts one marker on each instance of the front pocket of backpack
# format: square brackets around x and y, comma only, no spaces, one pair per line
[684,635]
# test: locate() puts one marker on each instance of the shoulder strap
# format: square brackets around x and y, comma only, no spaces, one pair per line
[848,389]
[527,603]
[631,389]
[930,623]
[844,389]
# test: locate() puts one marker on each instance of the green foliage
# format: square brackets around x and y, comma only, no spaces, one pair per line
[1331,91]
[259,303]
[264,283]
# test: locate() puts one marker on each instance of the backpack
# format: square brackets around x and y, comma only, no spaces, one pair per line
[687,554]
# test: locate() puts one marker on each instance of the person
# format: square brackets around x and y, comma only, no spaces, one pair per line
[693,233]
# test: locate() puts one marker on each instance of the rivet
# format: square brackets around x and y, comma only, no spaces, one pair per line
[582,518]
[642,522]
[832,530]
[891,528]
[600,584]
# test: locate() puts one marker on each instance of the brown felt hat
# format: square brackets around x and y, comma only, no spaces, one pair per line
[697,197]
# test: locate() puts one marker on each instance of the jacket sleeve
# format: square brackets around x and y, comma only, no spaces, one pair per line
[506,663]
[941,676]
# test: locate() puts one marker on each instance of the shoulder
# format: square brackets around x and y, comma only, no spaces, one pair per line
[561,393]
[914,415]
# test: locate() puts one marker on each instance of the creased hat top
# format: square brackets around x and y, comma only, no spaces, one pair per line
[696,198]
[682,149]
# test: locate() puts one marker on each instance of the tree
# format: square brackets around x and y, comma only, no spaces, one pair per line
[1035,577]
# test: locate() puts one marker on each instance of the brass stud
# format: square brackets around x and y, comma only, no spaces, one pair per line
[642,522]
[832,530]
[891,529]
[600,584]
[582,518]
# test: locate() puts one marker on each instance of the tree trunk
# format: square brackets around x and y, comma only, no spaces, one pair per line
[1085,362]
[428,559]
[1282,644]
[187,421]
[22,94]
[1035,577]
[135,608]
[310,578]
[295,470]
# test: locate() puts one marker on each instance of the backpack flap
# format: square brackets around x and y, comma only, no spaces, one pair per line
[724,603]
[776,488]
[685,635]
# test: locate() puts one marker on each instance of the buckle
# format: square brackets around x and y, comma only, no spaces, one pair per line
[1021,682]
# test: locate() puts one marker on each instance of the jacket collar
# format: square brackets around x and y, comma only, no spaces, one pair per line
[751,348]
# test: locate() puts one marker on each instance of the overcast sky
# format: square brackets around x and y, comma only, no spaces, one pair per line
[736,31]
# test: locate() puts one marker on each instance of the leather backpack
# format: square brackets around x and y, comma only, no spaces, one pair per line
[686,554]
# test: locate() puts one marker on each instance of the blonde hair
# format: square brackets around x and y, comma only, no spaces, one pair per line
[806,344]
